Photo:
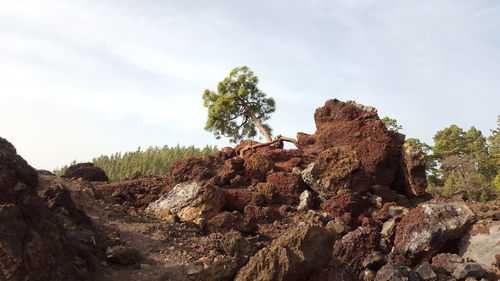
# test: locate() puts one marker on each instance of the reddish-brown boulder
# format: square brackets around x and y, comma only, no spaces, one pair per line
[86,171]
[347,123]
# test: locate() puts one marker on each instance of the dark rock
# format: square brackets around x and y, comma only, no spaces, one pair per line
[291,257]
[122,255]
[355,246]
[86,171]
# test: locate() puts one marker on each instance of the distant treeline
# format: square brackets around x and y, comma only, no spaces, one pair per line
[152,161]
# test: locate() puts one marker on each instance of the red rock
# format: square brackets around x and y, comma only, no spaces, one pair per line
[138,191]
[347,207]
[238,199]
[195,168]
[227,221]
[262,214]
[289,185]
[347,123]
[355,246]
[258,166]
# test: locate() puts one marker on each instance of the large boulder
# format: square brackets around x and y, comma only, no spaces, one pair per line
[334,170]
[425,230]
[348,123]
[192,201]
[33,245]
[482,242]
[291,257]
[86,171]
[379,151]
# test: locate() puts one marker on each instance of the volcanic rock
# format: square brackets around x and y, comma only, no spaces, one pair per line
[482,242]
[86,171]
[228,221]
[138,191]
[333,171]
[350,124]
[33,245]
[258,166]
[122,255]
[190,202]
[413,168]
[355,246]
[423,231]
[291,257]
[347,206]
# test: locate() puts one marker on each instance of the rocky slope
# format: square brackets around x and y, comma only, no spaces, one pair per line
[348,204]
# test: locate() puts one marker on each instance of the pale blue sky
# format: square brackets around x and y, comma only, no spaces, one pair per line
[83,78]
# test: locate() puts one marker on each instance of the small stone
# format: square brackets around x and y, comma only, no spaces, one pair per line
[122,255]
[468,269]
[367,275]
[104,264]
[145,266]
[296,170]
[306,200]
[336,227]
[388,228]
[374,261]
[194,268]
[426,273]
[396,211]
[376,201]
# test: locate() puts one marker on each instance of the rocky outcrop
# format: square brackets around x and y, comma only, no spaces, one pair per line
[292,257]
[33,245]
[192,201]
[425,230]
[350,124]
[86,171]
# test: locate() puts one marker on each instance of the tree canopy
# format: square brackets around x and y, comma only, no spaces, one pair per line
[238,108]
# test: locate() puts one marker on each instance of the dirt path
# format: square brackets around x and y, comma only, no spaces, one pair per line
[164,247]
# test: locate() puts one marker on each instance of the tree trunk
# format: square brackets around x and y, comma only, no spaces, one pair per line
[259,125]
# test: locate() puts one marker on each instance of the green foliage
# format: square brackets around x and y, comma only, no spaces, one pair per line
[391,124]
[466,162]
[239,108]
[152,161]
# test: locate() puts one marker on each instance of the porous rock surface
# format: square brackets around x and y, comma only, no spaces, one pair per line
[425,230]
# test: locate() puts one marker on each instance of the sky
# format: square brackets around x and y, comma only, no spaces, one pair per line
[83,78]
